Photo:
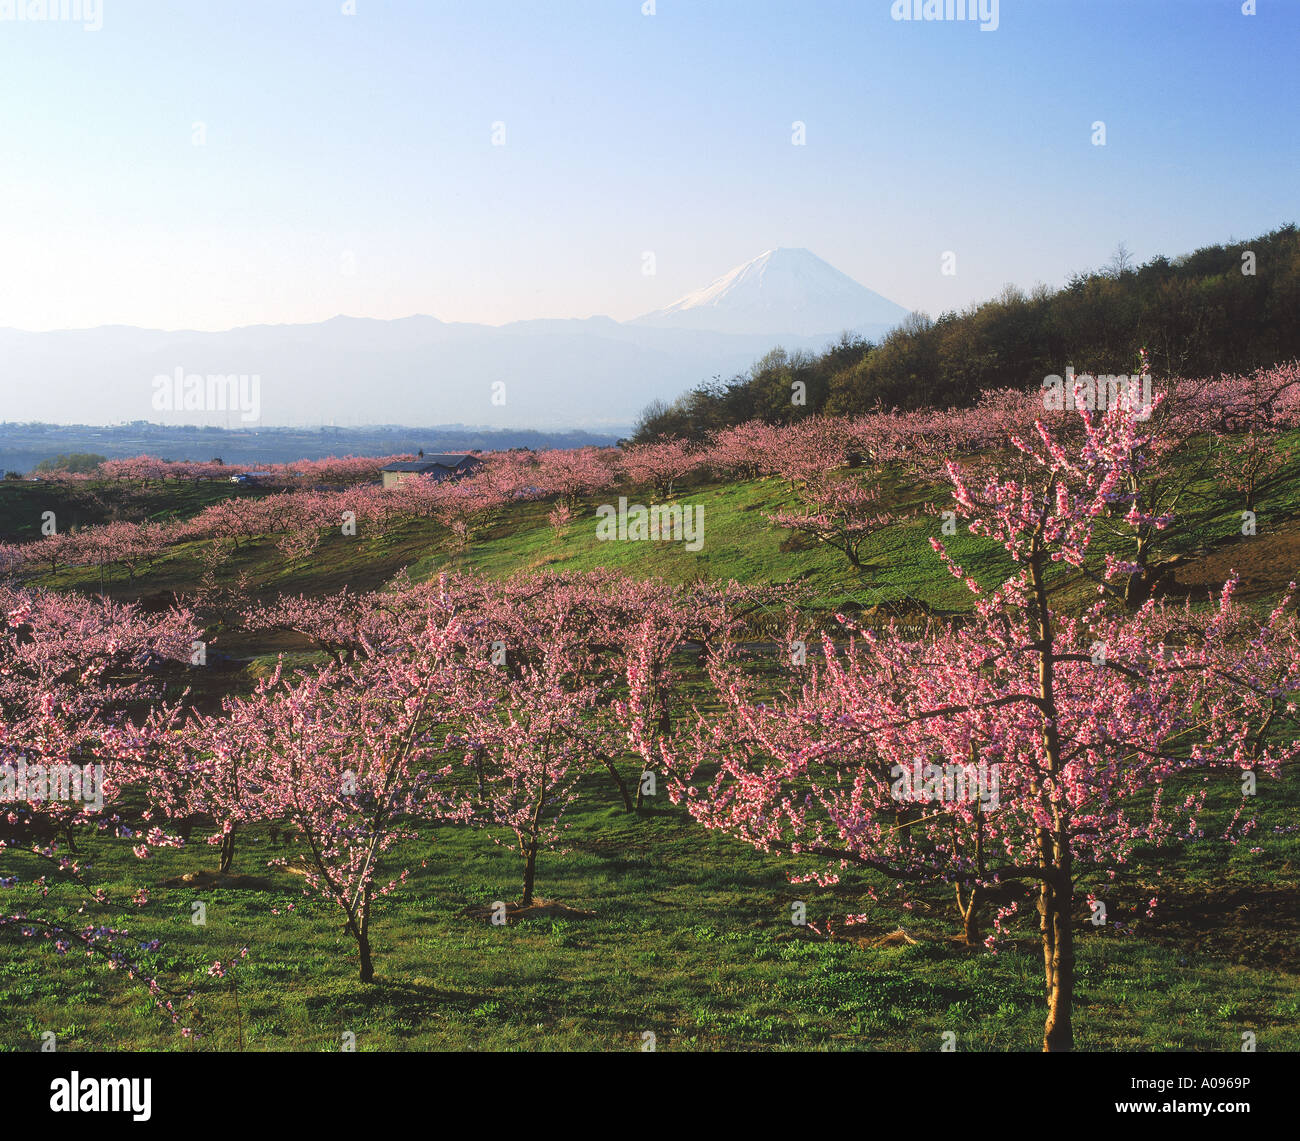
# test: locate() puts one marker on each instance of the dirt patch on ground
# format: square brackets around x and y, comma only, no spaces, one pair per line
[1253,925]
[248,644]
[538,909]
[860,937]
[207,880]
[899,938]
[1266,563]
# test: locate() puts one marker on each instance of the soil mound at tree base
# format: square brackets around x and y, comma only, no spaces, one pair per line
[220,880]
[538,909]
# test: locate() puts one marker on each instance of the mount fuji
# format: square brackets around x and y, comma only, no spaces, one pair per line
[782,292]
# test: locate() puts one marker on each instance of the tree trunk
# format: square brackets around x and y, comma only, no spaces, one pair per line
[971,922]
[530,874]
[530,861]
[622,785]
[363,945]
[478,769]
[1137,588]
[227,851]
[663,728]
[1057,888]
[970,911]
[1058,958]
[970,916]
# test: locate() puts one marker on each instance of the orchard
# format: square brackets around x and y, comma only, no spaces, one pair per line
[468,704]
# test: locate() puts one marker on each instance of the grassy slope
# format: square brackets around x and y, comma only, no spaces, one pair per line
[691,937]
[739,543]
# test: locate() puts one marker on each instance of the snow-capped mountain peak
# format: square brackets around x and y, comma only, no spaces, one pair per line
[782,291]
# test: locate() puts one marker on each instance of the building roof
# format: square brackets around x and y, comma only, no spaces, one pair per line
[429,463]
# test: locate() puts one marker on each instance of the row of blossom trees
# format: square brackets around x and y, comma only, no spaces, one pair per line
[1217,441]
[1104,725]
[456,701]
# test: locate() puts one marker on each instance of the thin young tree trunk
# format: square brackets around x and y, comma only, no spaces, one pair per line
[363,945]
[612,769]
[227,851]
[530,862]
[478,770]
[663,729]
[1046,921]
[970,911]
[970,917]
[1058,1033]
[530,873]
[1138,586]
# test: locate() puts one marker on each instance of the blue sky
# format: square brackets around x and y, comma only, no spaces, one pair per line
[348,164]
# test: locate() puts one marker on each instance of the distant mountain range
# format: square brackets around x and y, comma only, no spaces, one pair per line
[594,373]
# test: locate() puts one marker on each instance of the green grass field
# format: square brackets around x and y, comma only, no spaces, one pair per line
[691,939]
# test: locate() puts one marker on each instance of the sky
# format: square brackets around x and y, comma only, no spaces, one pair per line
[216,163]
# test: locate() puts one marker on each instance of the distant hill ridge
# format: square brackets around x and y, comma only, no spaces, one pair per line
[592,373]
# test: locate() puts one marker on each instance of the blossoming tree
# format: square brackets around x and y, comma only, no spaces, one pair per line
[1103,726]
